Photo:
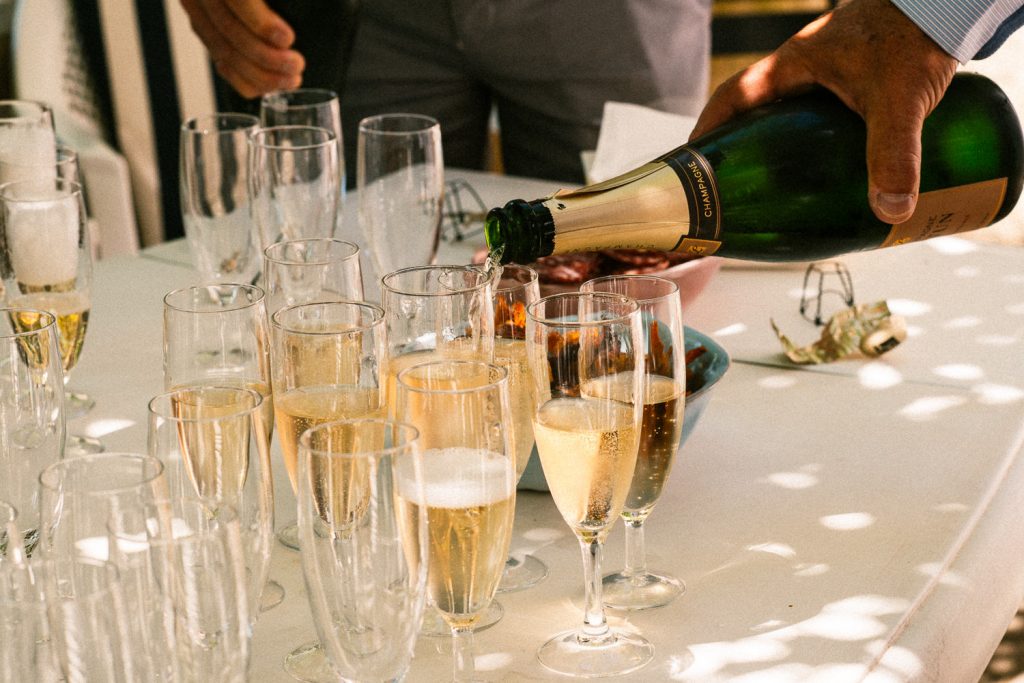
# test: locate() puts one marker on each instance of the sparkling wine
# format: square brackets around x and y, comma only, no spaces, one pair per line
[784,182]
[72,312]
[588,450]
[470,499]
[459,349]
[511,355]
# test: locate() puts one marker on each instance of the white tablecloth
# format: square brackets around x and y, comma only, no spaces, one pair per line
[858,521]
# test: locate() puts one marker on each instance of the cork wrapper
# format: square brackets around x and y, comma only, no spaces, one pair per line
[870,329]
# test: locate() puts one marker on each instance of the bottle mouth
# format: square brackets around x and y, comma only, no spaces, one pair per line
[519,232]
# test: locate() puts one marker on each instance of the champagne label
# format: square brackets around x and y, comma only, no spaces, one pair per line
[950,211]
[698,179]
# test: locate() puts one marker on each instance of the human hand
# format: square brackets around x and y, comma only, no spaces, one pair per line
[248,43]
[876,61]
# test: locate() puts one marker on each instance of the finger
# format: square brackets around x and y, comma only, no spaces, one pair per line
[249,45]
[204,28]
[263,22]
[894,161]
[240,83]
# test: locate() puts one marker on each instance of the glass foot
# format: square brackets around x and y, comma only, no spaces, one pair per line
[272,596]
[618,653]
[78,444]
[522,572]
[77,404]
[640,591]
[308,662]
[435,626]
[289,537]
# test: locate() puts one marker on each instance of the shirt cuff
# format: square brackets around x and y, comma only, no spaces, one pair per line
[960,27]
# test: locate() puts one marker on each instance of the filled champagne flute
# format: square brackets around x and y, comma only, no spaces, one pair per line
[364,552]
[294,183]
[637,587]
[27,140]
[516,288]
[47,264]
[586,361]
[461,409]
[213,167]
[214,444]
[326,367]
[31,412]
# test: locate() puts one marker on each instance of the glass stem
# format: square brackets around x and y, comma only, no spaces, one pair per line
[595,627]
[636,552]
[463,668]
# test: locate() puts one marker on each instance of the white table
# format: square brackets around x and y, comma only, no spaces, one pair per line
[856,521]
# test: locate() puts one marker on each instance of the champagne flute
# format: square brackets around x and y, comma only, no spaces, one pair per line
[294,183]
[65,619]
[188,554]
[27,140]
[636,587]
[214,444]
[364,552]
[47,264]
[516,288]
[326,367]
[213,168]
[308,107]
[12,543]
[461,409]
[31,411]
[583,349]
[400,178]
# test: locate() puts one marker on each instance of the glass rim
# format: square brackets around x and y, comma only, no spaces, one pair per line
[15,334]
[531,273]
[395,425]
[73,189]
[329,96]
[489,366]
[37,562]
[552,322]
[10,510]
[208,502]
[191,125]
[672,289]
[44,108]
[260,295]
[44,479]
[377,320]
[315,240]
[391,289]
[259,138]
[427,123]
[156,404]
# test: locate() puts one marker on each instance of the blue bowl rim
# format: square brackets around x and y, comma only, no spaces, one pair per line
[716,363]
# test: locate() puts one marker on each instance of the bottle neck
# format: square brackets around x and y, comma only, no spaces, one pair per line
[520,232]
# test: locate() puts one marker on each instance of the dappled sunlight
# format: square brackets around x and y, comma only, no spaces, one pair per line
[1015,309]
[996,340]
[730,330]
[914,331]
[894,659]
[944,575]
[967,272]
[959,371]
[908,308]
[997,394]
[951,507]
[780,381]
[929,408]
[963,322]
[780,549]
[99,428]
[493,661]
[792,480]
[878,375]
[544,534]
[806,569]
[1013,279]
[847,521]
[952,246]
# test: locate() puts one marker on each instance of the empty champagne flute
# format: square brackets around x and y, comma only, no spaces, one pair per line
[188,554]
[65,619]
[637,587]
[364,548]
[326,367]
[31,410]
[27,140]
[294,183]
[214,444]
[400,178]
[461,409]
[306,271]
[586,361]
[47,265]
[213,168]
[517,288]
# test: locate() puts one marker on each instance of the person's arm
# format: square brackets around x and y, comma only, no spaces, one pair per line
[248,43]
[881,64]
[964,28]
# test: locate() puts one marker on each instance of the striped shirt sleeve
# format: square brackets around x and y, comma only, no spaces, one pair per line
[961,27]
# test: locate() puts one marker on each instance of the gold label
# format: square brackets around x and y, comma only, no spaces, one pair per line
[952,211]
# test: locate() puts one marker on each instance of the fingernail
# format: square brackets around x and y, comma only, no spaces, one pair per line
[895,207]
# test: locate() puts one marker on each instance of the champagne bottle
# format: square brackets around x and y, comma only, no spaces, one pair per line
[785,182]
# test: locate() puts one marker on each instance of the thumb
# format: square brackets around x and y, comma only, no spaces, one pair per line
[894,161]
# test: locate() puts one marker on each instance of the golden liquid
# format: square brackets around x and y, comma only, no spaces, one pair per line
[72,312]
[511,355]
[214,438]
[333,355]
[588,450]
[660,429]
[469,495]
[266,414]
[462,349]
[340,486]
[297,410]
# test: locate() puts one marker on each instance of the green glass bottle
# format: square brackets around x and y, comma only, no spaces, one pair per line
[784,182]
